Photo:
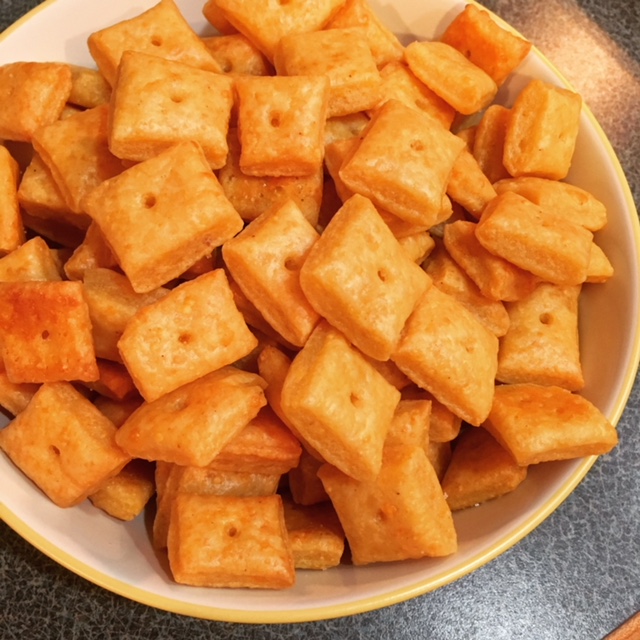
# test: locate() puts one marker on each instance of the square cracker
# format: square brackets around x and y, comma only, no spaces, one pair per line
[448,73]
[161,216]
[157,103]
[537,240]
[343,55]
[339,403]
[32,94]
[237,56]
[32,260]
[538,423]
[229,541]
[46,332]
[542,344]
[281,124]
[162,31]
[361,280]
[12,233]
[191,424]
[265,23]
[265,260]
[76,152]
[401,514]
[193,330]
[447,351]
[497,51]
[418,154]
[542,131]
[64,444]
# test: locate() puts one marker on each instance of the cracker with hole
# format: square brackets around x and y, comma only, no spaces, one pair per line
[281,124]
[193,330]
[542,131]
[161,31]
[76,152]
[32,95]
[246,546]
[451,75]
[447,351]
[418,154]
[64,444]
[361,280]
[542,344]
[539,241]
[157,103]
[496,50]
[265,260]
[539,423]
[252,196]
[339,403]
[266,23]
[46,332]
[191,424]
[342,55]
[401,514]
[161,216]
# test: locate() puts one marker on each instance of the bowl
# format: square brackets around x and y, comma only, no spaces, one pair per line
[119,556]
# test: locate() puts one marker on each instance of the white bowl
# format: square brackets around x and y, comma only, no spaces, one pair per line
[119,556]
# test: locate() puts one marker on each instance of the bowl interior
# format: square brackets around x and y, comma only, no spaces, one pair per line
[119,557]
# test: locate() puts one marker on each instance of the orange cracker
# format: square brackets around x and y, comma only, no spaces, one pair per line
[451,75]
[32,94]
[76,153]
[496,50]
[237,56]
[281,124]
[191,424]
[193,330]
[361,280]
[265,260]
[447,351]
[11,227]
[339,403]
[157,103]
[418,153]
[176,187]
[64,444]
[161,31]
[46,332]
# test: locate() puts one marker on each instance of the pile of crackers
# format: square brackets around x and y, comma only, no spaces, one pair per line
[302,289]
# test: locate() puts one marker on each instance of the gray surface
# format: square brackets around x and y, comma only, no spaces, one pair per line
[577,576]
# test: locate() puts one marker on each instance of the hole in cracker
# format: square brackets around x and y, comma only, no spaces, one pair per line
[45,335]
[185,338]
[226,66]
[355,399]
[291,264]
[275,120]
[417,145]
[232,532]
[156,41]
[383,275]
[55,450]
[177,98]
[149,201]
[546,318]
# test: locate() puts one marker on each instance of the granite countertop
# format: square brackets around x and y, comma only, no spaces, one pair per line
[575,577]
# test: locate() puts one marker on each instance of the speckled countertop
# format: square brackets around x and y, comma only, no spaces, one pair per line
[575,577]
